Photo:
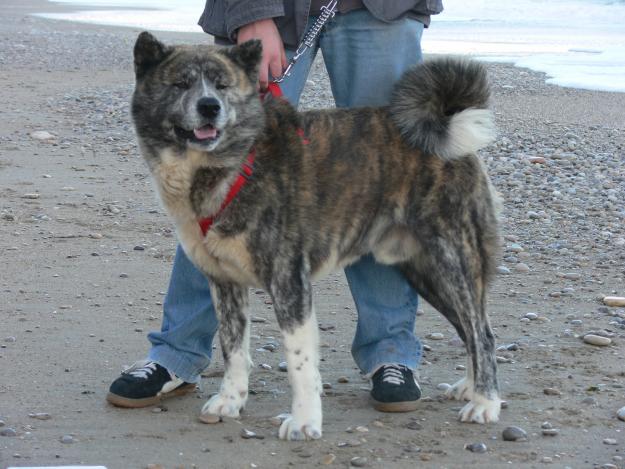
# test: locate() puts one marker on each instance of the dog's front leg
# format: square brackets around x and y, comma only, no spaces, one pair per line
[230,302]
[292,297]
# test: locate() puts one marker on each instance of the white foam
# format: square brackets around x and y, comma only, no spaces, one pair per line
[578,43]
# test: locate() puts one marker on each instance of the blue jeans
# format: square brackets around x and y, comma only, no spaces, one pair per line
[364,57]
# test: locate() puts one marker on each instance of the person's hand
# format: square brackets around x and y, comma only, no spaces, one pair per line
[274,59]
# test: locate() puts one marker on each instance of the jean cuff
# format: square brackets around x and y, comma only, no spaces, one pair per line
[179,364]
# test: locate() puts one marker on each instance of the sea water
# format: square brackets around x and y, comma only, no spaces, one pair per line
[577,43]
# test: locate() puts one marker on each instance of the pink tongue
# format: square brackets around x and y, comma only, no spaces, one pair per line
[208,131]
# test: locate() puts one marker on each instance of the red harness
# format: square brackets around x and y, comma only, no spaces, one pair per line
[247,168]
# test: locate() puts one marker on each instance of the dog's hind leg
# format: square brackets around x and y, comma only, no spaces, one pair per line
[230,302]
[451,279]
[292,297]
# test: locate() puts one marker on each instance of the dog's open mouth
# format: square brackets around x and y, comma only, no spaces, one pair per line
[206,134]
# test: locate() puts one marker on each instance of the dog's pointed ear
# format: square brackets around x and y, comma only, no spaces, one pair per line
[148,52]
[247,56]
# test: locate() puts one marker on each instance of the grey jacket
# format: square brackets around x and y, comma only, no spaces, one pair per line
[222,18]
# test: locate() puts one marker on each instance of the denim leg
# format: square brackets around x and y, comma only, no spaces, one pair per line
[364,58]
[184,343]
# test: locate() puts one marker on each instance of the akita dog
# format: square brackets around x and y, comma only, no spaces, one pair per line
[264,196]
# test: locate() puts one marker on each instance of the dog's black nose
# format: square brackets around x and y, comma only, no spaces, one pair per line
[208,107]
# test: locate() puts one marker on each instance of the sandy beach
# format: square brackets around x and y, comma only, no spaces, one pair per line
[87,252]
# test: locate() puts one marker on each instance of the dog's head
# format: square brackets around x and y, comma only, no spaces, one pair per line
[202,98]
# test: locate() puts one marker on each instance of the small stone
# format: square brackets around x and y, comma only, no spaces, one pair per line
[521,267]
[476,447]
[443,387]
[550,431]
[590,401]
[361,429]
[436,336]
[531,316]
[552,392]
[95,235]
[343,380]
[514,434]
[358,461]
[138,248]
[326,385]
[42,135]
[547,460]
[503,270]
[621,413]
[248,435]
[572,276]
[328,459]
[123,275]
[10,339]
[8,431]
[546,425]
[40,416]
[209,418]
[270,347]
[67,439]
[597,340]
[258,319]
[537,160]
[31,195]
[414,425]
[265,366]
[610,441]
[614,301]
[282,366]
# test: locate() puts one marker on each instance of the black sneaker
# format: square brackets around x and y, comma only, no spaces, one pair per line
[146,383]
[395,389]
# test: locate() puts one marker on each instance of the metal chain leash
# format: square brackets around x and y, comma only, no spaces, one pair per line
[327,12]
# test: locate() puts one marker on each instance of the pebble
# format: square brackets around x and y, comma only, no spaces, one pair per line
[342,380]
[328,459]
[40,416]
[67,439]
[42,135]
[248,435]
[258,319]
[265,366]
[550,431]
[522,267]
[476,447]
[614,301]
[436,336]
[514,434]
[8,431]
[552,392]
[531,316]
[209,418]
[282,366]
[358,461]
[597,340]
[31,195]
[621,414]
[443,387]
[610,441]
[503,270]
[572,276]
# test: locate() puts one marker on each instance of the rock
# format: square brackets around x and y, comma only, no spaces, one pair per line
[42,135]
[476,447]
[358,461]
[531,316]
[552,392]
[503,270]
[572,276]
[209,418]
[522,267]
[514,434]
[265,366]
[282,366]
[443,387]
[40,416]
[8,431]
[328,459]
[550,431]
[248,435]
[342,380]
[67,439]
[621,413]
[614,301]
[597,340]
[435,336]
[610,441]
[31,195]
[258,319]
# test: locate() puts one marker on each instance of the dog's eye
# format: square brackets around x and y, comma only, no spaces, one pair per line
[221,86]
[182,85]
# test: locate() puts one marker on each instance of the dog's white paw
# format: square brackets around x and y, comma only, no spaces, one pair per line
[481,410]
[461,391]
[225,404]
[293,430]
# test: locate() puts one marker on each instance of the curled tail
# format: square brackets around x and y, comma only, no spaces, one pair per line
[440,107]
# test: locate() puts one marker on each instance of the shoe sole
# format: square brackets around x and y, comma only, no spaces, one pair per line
[405,406]
[128,403]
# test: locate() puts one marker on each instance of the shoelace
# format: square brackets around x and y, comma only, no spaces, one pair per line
[141,369]
[393,374]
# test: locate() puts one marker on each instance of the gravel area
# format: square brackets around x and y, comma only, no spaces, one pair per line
[87,252]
